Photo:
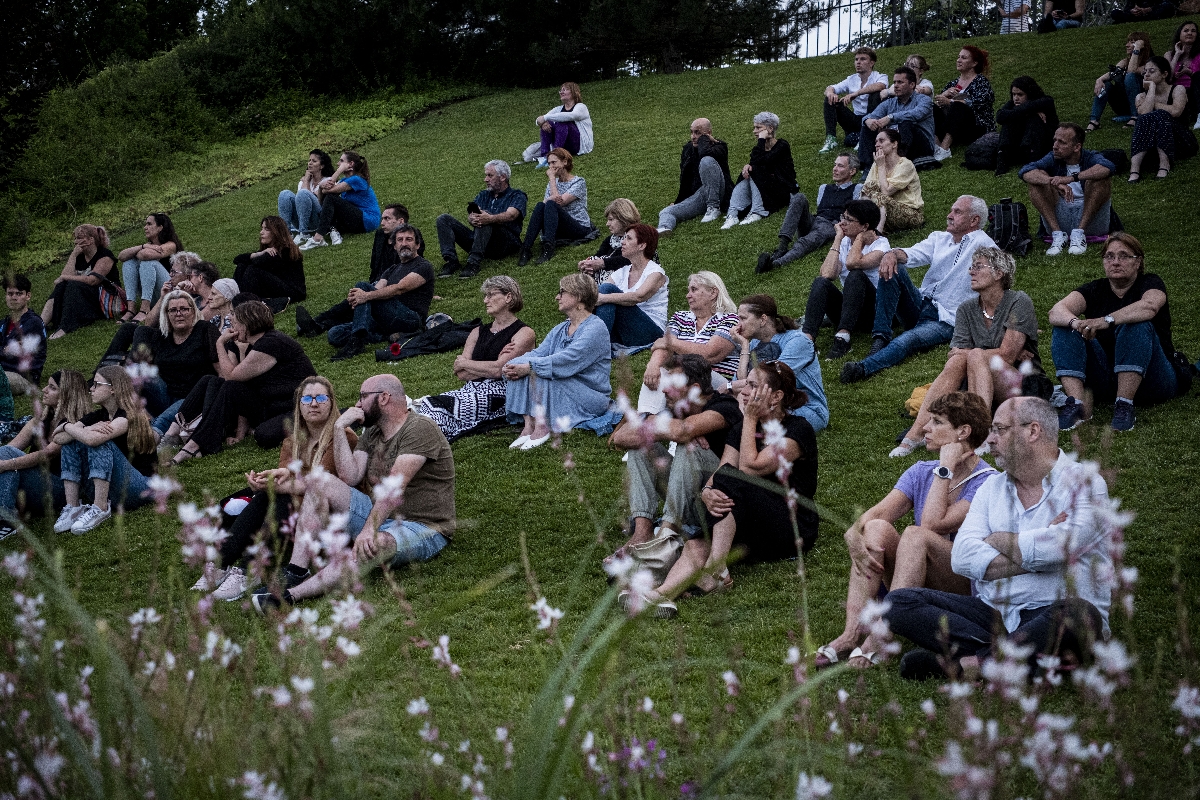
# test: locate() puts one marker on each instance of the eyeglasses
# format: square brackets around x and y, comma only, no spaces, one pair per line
[97,384]
[1000,430]
[1110,257]
[309,399]
[184,310]
[979,267]
[364,395]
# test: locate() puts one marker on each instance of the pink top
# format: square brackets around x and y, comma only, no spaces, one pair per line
[1186,80]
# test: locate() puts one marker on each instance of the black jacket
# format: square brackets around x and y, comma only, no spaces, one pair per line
[774,173]
[689,168]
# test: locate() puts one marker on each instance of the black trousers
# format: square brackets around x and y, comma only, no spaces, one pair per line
[916,145]
[76,305]
[486,241]
[246,526]
[843,307]
[958,120]
[336,213]
[764,526]
[222,402]
[1025,141]
[267,284]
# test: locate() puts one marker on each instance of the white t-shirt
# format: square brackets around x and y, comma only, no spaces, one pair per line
[880,243]
[655,306]
[926,83]
[1076,187]
[853,83]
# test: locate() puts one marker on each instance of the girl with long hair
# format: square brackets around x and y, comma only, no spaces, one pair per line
[348,203]
[300,209]
[275,272]
[146,267]
[75,300]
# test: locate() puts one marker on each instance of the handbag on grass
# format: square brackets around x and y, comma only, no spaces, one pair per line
[113,302]
[659,554]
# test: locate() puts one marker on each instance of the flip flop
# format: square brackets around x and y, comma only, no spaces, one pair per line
[1093,125]
[827,656]
[1135,177]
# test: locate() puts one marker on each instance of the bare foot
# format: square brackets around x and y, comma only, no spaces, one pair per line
[58,334]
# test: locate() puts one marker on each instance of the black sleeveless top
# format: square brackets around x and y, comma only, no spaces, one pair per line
[83,265]
[489,345]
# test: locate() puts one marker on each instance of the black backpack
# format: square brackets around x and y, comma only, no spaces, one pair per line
[982,153]
[1008,225]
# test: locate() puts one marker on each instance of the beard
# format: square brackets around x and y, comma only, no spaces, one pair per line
[406,253]
[371,415]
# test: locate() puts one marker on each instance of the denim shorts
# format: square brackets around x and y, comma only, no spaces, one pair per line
[414,541]
[360,509]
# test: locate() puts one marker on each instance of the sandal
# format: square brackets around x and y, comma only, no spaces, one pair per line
[139,317]
[1093,125]
[906,447]
[126,317]
[872,658]
[1131,124]
[1135,177]
[827,656]
[184,454]
[724,582]
[1162,173]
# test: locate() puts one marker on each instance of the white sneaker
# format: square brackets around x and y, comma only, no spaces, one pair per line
[664,231]
[314,243]
[90,519]
[729,222]
[751,218]
[1078,242]
[67,518]
[1058,239]
[210,579]
[941,153]
[298,239]
[1196,127]
[233,587]
[711,215]
[335,238]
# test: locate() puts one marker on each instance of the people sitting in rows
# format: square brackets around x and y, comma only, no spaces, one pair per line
[704,183]
[965,110]
[766,335]
[756,520]
[1184,57]
[1014,16]
[398,448]
[302,208]
[479,403]
[919,66]
[619,216]
[853,260]
[768,182]
[1120,86]
[116,444]
[939,494]
[1139,10]
[1160,125]
[562,214]
[1027,124]
[894,185]
[22,364]
[564,381]
[348,203]
[927,314]
[907,111]
[396,303]
[274,272]
[259,369]
[74,302]
[1036,549]
[146,267]
[1072,190]
[311,444]
[189,274]
[999,323]
[567,126]
[1058,15]
[182,348]
[814,230]
[1111,339]
[660,476]
[846,103]
[706,329]
[633,301]
[495,217]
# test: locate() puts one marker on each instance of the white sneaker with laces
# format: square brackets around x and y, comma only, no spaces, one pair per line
[67,518]
[233,587]
[210,579]
[711,215]
[751,218]
[941,153]
[1058,239]
[90,519]
[335,238]
[1078,242]
[298,239]
[314,243]
[729,222]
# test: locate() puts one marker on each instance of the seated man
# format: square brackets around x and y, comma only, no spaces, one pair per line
[928,315]
[1058,15]
[846,103]
[1072,189]
[24,370]
[854,260]
[396,443]
[396,303]
[704,182]
[383,253]
[1037,549]
[1138,10]
[496,216]
[1112,339]
[908,111]
[814,230]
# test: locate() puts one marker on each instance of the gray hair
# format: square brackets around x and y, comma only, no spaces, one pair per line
[851,157]
[501,167]
[1035,409]
[184,260]
[979,207]
[164,314]
[505,285]
[1000,261]
[768,119]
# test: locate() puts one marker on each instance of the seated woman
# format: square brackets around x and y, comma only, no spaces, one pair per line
[29,481]
[768,182]
[633,302]
[116,444]
[939,494]
[565,378]
[218,309]
[894,185]
[705,329]
[188,272]
[257,378]
[1184,57]
[965,110]
[1000,322]
[568,125]
[75,300]
[144,267]
[562,214]
[755,519]
[1120,86]
[1027,124]
[854,260]
[1160,122]
[620,215]
[920,66]
[1112,339]
[314,419]
[468,409]
[348,203]
[275,272]
[301,208]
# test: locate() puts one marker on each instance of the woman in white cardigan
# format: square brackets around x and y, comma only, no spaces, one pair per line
[568,126]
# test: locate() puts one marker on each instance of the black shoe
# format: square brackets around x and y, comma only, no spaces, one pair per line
[352,348]
[782,249]
[265,601]
[449,269]
[851,140]
[305,324]
[469,271]
[277,304]
[547,253]
[765,263]
[853,372]
[839,349]
[921,665]
[523,259]
[877,344]
[1001,167]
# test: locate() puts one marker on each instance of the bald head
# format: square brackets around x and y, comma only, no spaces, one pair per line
[382,400]
[700,127]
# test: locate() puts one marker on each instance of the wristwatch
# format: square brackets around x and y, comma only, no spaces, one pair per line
[1109,319]
[943,472]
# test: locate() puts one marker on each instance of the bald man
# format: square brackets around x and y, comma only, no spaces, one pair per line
[395,443]
[704,182]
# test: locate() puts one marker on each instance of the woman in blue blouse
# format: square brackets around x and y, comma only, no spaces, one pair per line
[348,203]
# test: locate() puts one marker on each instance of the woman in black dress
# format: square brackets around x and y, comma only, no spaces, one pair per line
[275,272]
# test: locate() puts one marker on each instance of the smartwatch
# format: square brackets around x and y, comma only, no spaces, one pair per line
[943,472]
[1109,319]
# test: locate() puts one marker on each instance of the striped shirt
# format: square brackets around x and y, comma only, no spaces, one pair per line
[683,325]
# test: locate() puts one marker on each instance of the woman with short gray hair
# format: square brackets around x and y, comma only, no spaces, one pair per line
[768,182]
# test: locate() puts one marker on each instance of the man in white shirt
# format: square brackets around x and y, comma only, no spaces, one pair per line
[928,314]
[1036,544]
[846,103]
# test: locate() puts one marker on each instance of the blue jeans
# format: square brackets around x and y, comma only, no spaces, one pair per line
[154,392]
[299,210]
[414,541]
[376,319]
[360,509]
[1137,349]
[162,423]
[107,463]
[37,485]
[627,325]
[143,279]
[918,314]
[1122,98]
[1067,23]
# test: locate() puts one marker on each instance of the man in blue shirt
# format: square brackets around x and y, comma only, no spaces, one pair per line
[1072,189]
[909,112]
[496,216]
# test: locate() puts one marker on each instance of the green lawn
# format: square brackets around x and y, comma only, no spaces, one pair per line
[435,165]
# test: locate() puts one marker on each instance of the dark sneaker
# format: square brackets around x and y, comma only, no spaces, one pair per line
[839,349]
[877,344]
[1070,416]
[1123,417]
[547,253]
[853,372]
[766,262]
[277,304]
[523,259]
[265,601]
[305,324]
[352,348]
[469,271]
[921,665]
[449,269]
[782,249]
